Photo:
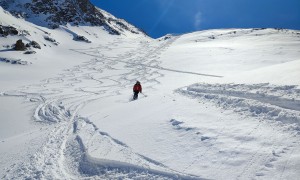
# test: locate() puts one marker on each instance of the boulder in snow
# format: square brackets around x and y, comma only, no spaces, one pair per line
[35,44]
[20,46]
[29,52]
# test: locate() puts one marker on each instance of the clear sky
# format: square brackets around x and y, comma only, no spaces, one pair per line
[160,17]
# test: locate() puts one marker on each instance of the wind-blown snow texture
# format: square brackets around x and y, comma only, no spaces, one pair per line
[211,108]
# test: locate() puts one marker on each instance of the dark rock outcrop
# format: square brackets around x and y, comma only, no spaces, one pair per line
[19,46]
[35,44]
[47,38]
[8,30]
[29,52]
[14,61]
[81,38]
[68,11]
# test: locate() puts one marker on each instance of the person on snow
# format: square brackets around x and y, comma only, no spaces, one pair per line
[137,88]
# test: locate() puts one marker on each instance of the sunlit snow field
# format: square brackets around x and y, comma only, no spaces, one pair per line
[216,104]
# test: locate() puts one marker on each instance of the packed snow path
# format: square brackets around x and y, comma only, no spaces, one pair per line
[215,131]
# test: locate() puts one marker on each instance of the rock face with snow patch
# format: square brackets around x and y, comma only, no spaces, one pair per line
[52,13]
[8,30]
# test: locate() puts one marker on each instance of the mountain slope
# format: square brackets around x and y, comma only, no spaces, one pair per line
[61,12]
[69,114]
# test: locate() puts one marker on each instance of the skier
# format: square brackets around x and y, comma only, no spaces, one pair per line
[137,88]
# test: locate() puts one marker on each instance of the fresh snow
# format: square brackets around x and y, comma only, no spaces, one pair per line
[217,104]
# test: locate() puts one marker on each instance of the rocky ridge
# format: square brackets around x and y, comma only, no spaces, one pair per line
[53,13]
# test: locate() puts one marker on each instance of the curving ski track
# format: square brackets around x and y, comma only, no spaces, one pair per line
[65,154]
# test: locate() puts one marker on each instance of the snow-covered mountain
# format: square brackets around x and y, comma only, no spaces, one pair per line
[216,104]
[61,12]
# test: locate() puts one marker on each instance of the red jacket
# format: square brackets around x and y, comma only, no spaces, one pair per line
[137,87]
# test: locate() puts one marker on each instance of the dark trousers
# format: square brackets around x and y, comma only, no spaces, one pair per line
[135,95]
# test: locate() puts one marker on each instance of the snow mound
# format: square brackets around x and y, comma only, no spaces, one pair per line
[270,102]
[107,157]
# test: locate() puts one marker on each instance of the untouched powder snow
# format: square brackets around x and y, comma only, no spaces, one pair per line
[289,74]
[217,104]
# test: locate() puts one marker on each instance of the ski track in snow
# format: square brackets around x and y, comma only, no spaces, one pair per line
[267,103]
[65,155]
[280,103]
[67,152]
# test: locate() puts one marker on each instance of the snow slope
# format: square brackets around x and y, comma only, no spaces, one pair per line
[212,106]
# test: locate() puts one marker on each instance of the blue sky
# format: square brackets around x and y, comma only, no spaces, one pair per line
[160,17]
